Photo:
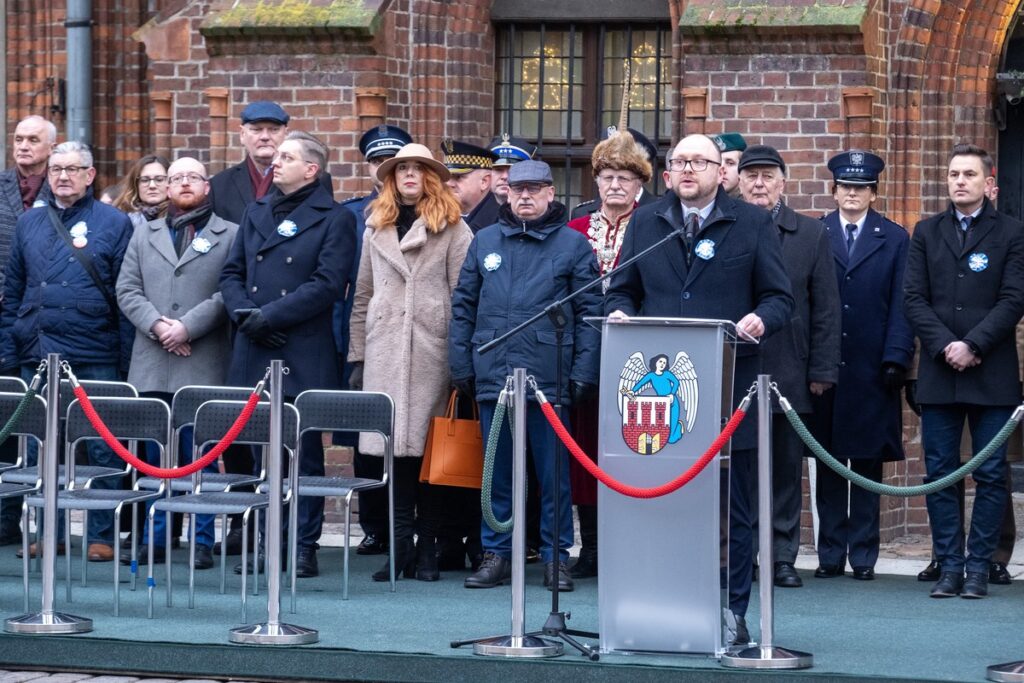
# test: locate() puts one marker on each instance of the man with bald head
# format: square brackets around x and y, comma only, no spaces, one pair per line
[727,265]
[169,288]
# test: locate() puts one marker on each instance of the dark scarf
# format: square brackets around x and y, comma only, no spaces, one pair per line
[284,204]
[151,212]
[261,182]
[776,209]
[407,215]
[29,187]
[185,225]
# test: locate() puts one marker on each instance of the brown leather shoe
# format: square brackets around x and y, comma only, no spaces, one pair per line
[100,552]
[32,550]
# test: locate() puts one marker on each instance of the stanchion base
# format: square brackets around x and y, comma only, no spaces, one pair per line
[771,657]
[42,623]
[514,646]
[273,634]
[1012,671]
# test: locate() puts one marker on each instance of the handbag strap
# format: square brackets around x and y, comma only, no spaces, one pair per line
[85,259]
[453,404]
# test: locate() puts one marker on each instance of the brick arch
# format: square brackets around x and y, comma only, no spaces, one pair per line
[945,57]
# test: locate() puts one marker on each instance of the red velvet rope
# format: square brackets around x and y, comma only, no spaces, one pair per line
[161,472]
[636,491]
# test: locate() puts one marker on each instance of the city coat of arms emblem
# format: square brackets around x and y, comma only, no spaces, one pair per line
[657,401]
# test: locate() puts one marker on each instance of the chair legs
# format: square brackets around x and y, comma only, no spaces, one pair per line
[223,553]
[191,561]
[24,551]
[117,565]
[344,542]
[67,554]
[150,583]
[245,562]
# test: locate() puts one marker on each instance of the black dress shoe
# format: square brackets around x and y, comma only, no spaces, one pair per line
[949,586]
[828,571]
[930,573]
[234,543]
[741,636]
[975,586]
[159,555]
[786,576]
[864,573]
[252,570]
[998,574]
[495,570]
[204,557]
[305,563]
[585,566]
[372,545]
[565,584]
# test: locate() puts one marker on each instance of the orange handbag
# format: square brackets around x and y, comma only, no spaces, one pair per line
[454,454]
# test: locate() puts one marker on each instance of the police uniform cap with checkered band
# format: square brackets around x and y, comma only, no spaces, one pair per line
[856,167]
[463,157]
[383,141]
[511,150]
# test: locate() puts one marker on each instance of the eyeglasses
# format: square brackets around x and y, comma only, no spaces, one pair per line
[190,178]
[55,171]
[621,179]
[152,180]
[528,188]
[696,165]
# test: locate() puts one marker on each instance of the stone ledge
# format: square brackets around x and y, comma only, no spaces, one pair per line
[293,18]
[733,16]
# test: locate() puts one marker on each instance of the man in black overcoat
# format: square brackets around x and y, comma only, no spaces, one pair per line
[730,269]
[964,296]
[803,358]
[293,251]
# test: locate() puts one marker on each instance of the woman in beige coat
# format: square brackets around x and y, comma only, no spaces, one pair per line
[413,249]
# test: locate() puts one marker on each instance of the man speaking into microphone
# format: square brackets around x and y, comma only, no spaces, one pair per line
[728,265]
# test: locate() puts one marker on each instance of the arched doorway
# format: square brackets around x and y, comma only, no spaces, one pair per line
[1009,113]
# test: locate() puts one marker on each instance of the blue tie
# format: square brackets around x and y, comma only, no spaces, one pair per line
[851,229]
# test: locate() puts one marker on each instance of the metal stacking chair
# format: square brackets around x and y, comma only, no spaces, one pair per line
[31,425]
[14,385]
[345,411]
[131,419]
[184,404]
[212,421]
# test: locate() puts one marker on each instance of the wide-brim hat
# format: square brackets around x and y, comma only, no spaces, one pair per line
[413,152]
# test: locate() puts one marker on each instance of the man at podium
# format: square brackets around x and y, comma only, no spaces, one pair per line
[728,264]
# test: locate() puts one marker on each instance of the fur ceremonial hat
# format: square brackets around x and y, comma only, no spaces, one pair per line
[621,151]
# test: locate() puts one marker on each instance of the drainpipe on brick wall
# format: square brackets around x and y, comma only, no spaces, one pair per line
[79,38]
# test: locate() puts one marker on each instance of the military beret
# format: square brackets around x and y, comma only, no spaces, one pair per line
[730,142]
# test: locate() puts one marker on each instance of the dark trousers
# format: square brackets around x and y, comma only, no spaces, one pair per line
[742,517]
[788,453]
[941,429]
[848,516]
[311,508]
[373,504]
[543,443]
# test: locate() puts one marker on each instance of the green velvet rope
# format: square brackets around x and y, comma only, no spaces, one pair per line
[901,491]
[488,477]
[16,415]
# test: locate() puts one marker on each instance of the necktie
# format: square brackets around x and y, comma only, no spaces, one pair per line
[851,229]
[965,228]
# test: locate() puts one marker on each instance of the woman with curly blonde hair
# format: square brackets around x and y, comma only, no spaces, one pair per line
[413,248]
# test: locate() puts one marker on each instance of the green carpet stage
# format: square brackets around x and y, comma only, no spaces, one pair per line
[880,631]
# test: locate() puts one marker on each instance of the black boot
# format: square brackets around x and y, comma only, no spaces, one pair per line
[426,559]
[586,563]
[405,561]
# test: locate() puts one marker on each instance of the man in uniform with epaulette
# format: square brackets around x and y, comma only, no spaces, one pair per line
[471,180]
[510,150]
[377,145]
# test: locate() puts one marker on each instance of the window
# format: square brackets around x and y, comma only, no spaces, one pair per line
[560,85]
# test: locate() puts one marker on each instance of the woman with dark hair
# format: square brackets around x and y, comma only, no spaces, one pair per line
[413,249]
[144,190]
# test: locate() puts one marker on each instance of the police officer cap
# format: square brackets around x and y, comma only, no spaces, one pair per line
[530,171]
[383,141]
[730,142]
[761,155]
[511,150]
[642,140]
[463,157]
[856,167]
[265,110]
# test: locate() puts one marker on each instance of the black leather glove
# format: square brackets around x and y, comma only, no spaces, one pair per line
[893,377]
[272,340]
[466,386]
[581,392]
[910,392]
[355,378]
[252,323]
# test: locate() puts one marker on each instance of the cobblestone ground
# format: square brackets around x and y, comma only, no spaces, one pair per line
[43,677]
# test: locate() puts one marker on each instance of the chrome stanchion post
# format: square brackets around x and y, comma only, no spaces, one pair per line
[767,655]
[273,632]
[518,644]
[48,621]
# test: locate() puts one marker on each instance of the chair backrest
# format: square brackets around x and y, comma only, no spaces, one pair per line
[95,388]
[187,400]
[346,411]
[131,419]
[13,385]
[33,420]
[214,419]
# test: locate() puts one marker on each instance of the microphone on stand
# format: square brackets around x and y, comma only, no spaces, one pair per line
[692,225]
